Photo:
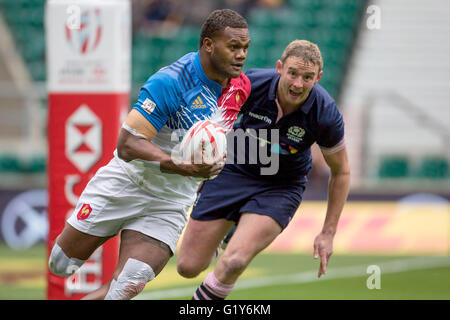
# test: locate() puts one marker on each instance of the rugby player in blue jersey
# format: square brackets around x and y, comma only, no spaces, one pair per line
[288,102]
[143,192]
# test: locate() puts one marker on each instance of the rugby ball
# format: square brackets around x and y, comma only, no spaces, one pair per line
[205,141]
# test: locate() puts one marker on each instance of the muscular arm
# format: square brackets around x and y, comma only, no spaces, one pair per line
[338,187]
[139,146]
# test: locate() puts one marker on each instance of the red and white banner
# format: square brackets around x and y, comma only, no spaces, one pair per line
[88,74]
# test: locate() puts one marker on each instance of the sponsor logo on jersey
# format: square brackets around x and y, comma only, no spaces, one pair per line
[198,104]
[84,212]
[148,106]
[296,133]
[260,117]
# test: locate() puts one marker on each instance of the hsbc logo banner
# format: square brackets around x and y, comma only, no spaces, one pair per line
[83,138]
[88,80]
[78,147]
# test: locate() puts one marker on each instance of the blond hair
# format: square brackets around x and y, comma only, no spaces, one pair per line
[304,49]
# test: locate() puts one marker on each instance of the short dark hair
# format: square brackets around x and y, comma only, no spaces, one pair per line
[218,20]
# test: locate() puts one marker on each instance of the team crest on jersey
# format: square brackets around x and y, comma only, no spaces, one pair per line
[84,212]
[198,104]
[296,133]
[148,105]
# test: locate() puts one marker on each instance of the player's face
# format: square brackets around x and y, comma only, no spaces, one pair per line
[297,77]
[230,51]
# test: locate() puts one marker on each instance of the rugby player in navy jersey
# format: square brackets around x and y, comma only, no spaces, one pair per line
[143,193]
[288,102]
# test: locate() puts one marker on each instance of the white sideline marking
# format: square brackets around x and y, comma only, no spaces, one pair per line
[392,266]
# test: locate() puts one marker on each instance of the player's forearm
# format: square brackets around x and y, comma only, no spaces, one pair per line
[130,148]
[338,187]
[145,150]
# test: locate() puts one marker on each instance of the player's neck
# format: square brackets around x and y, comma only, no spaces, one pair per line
[208,69]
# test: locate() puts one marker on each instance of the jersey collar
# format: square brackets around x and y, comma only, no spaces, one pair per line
[306,106]
[202,75]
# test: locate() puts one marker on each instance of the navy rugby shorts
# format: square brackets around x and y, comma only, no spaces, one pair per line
[232,193]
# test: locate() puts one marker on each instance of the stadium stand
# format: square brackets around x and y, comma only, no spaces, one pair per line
[25,19]
[332,25]
[22,63]
[397,81]
[394,167]
[434,168]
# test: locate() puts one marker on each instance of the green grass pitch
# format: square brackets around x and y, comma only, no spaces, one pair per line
[269,276]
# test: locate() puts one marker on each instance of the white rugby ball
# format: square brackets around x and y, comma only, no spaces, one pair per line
[205,141]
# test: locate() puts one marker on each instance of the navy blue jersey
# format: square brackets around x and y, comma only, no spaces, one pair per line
[318,120]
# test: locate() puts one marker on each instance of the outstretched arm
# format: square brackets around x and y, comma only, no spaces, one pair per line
[338,187]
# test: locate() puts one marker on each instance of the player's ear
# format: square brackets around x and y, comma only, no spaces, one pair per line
[208,44]
[279,66]
[319,76]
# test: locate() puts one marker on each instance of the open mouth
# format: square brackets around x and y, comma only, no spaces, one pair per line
[295,94]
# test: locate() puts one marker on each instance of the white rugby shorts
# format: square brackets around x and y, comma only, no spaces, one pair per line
[112,202]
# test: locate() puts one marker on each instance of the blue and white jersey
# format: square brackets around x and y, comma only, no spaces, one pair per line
[179,95]
[172,100]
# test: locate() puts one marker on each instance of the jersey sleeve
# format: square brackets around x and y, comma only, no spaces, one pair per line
[331,128]
[158,99]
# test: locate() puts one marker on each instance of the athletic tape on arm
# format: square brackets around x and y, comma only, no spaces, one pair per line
[132,131]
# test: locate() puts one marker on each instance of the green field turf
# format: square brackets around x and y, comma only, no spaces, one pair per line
[270,276]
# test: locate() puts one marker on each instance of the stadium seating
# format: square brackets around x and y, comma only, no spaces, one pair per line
[402,166]
[433,168]
[25,19]
[394,167]
[331,24]
[10,163]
